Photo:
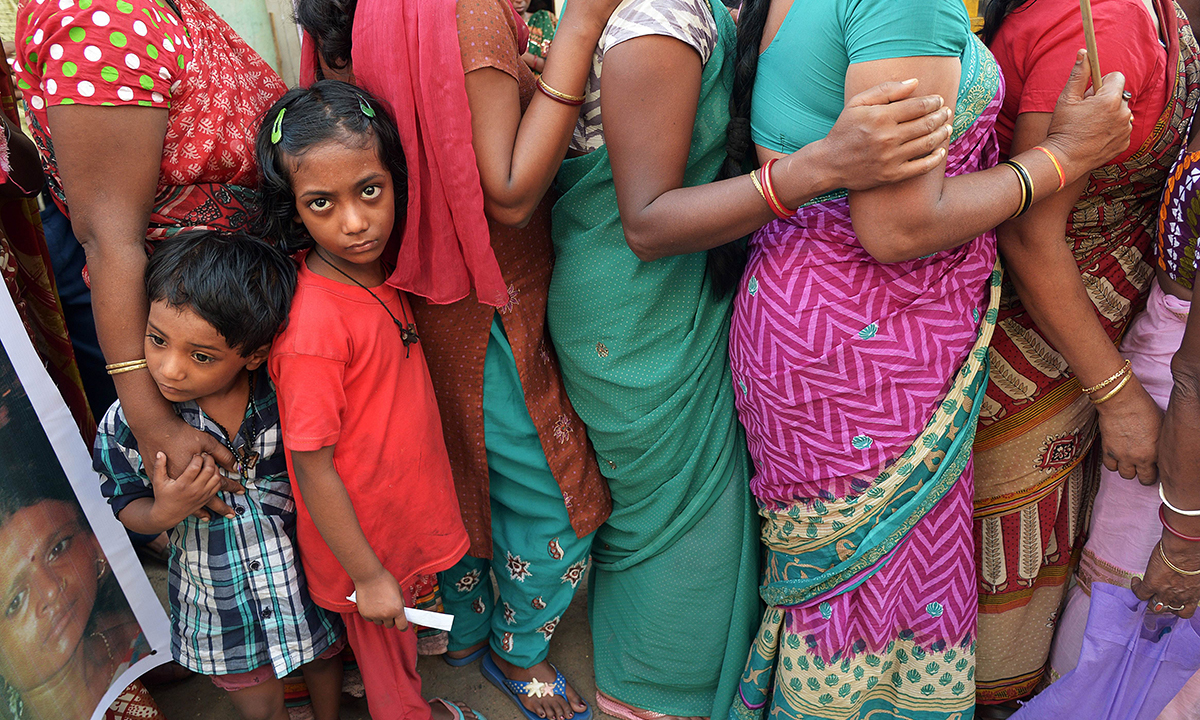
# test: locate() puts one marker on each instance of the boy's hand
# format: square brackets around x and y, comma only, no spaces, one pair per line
[379,600]
[176,499]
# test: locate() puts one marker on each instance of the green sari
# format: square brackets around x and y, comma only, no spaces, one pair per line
[673,599]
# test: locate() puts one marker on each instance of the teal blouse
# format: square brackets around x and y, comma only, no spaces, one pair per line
[799,89]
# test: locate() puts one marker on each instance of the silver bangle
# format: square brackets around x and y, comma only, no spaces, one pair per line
[1186,513]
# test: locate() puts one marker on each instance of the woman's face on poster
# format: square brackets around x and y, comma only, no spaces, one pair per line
[48,585]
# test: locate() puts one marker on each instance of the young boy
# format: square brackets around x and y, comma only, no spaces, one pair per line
[240,608]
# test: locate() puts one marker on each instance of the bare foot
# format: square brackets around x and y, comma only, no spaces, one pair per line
[460,654]
[551,707]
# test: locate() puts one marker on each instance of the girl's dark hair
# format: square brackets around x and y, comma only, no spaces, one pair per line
[327,110]
[993,17]
[727,262]
[331,24]
[240,285]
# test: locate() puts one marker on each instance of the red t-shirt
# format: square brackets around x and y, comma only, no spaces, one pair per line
[343,380]
[1036,49]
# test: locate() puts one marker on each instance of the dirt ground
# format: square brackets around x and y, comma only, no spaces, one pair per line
[571,652]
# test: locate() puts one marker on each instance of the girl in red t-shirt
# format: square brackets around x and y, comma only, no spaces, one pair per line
[375,502]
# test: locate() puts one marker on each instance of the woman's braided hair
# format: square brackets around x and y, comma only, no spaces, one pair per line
[726,263]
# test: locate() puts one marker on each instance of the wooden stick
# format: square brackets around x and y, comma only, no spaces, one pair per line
[1089,34]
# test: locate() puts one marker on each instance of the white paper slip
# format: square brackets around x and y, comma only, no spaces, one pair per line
[424,618]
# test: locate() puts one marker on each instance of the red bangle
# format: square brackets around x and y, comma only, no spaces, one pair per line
[772,199]
[1162,518]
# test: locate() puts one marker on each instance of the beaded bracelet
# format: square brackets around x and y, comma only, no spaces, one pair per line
[1162,518]
[1186,513]
[1108,380]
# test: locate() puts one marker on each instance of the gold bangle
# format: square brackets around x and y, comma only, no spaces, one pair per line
[558,94]
[127,363]
[758,186]
[1109,380]
[1175,568]
[1114,391]
[119,368]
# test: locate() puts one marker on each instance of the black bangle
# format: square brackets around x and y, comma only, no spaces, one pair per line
[1026,181]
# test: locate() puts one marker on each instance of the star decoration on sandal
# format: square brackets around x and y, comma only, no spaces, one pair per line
[537,688]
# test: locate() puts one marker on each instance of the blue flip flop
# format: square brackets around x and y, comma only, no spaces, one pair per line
[466,660]
[458,713]
[514,689]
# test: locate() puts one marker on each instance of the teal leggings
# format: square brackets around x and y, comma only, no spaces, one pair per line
[536,558]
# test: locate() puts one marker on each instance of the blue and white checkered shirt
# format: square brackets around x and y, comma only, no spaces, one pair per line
[237,592]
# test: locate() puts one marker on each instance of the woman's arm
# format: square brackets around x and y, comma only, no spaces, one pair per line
[377,593]
[651,91]
[1043,269]
[109,160]
[941,213]
[1179,472]
[517,154]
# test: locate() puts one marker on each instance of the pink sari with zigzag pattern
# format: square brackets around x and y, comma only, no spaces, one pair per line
[840,364]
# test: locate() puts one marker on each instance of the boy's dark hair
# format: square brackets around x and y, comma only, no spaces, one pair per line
[239,284]
[330,23]
[327,110]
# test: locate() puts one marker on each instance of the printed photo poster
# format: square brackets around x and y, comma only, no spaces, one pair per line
[78,618]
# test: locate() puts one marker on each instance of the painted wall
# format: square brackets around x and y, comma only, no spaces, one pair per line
[251,20]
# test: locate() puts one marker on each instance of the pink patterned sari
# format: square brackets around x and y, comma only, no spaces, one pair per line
[859,384]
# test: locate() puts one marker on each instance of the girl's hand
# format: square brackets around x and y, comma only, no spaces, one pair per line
[1129,427]
[379,600]
[1162,584]
[1089,127]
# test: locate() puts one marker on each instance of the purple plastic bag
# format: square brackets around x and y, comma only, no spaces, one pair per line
[1131,665]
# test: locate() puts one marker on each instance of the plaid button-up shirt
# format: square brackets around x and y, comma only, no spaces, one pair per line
[237,592]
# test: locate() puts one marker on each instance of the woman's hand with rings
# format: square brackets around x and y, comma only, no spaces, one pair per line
[1165,589]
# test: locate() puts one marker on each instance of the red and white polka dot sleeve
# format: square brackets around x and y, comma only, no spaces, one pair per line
[100,52]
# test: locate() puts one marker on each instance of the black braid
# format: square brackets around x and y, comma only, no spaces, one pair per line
[726,263]
[993,17]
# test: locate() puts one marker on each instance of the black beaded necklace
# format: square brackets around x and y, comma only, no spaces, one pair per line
[245,458]
[408,330]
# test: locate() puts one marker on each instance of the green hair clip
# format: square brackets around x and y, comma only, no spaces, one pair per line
[277,128]
[366,109]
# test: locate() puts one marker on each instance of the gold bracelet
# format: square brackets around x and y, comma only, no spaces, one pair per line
[1175,568]
[758,186]
[559,95]
[1114,391]
[119,368]
[1109,380]
[127,363]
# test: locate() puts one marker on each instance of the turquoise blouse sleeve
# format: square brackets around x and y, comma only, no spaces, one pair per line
[883,29]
